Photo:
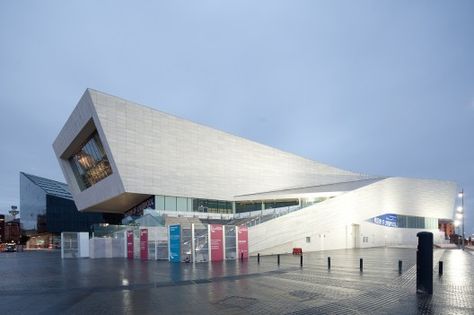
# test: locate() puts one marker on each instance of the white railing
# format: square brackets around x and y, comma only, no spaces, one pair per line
[254,217]
[228,216]
[200,215]
[277,212]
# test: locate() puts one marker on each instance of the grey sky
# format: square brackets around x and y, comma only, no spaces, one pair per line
[379,87]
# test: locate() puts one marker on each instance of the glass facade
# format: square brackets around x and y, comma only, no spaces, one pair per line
[271,204]
[90,165]
[62,215]
[257,205]
[247,206]
[213,206]
[183,204]
[405,221]
[171,203]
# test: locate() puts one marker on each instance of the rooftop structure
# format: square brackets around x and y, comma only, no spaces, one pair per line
[50,187]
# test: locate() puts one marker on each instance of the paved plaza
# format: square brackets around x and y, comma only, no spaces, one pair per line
[42,283]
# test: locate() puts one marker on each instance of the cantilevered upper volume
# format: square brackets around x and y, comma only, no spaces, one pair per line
[115,154]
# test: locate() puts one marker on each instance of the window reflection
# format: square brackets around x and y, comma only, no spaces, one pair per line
[90,165]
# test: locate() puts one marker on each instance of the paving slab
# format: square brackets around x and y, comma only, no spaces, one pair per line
[41,283]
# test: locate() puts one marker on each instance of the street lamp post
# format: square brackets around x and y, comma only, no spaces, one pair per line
[460,216]
[14,212]
[462,206]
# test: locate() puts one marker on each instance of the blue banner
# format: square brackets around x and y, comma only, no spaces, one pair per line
[174,238]
[389,219]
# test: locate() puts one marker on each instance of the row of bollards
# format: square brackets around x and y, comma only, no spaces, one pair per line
[361,263]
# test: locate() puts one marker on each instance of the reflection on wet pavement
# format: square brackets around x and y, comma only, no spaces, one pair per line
[42,283]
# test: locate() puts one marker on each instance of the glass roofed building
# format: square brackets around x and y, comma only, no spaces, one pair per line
[47,206]
[121,157]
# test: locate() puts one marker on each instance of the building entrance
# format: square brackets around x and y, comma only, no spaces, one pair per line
[356,235]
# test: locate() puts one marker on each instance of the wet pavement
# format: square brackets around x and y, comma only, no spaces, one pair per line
[42,283]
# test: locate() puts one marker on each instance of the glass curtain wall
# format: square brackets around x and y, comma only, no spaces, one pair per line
[271,204]
[90,164]
[212,206]
[247,206]
[171,203]
[405,221]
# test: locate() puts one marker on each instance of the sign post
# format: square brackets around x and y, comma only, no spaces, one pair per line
[174,241]
[216,242]
[144,244]
[388,219]
[129,244]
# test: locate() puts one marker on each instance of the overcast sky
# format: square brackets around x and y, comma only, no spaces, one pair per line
[377,87]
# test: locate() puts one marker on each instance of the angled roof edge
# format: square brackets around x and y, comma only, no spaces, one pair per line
[63,141]
[93,93]
[338,186]
[50,186]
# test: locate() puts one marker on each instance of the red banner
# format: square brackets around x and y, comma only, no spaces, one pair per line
[217,244]
[143,244]
[130,244]
[243,242]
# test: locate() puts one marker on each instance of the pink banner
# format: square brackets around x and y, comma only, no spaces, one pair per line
[217,244]
[243,242]
[143,244]
[130,244]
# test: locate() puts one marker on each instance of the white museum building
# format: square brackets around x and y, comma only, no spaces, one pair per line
[121,157]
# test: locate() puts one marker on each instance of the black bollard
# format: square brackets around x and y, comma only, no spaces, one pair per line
[242,256]
[361,265]
[301,260]
[399,266]
[258,258]
[424,263]
[440,268]
[329,262]
[278,259]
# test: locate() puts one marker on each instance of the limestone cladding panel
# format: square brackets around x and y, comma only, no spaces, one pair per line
[106,188]
[81,114]
[157,153]
[328,221]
